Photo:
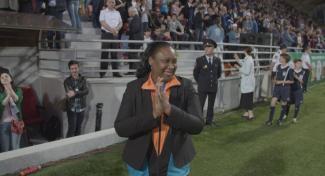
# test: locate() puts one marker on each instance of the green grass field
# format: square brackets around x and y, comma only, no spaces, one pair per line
[236,147]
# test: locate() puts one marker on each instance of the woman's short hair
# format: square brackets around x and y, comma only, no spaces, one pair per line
[248,50]
[144,69]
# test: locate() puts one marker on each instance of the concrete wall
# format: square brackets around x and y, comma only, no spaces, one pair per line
[14,161]
[110,91]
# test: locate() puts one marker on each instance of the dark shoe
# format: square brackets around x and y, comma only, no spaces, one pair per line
[268,123]
[208,123]
[117,75]
[244,117]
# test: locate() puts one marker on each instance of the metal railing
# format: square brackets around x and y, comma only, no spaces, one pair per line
[258,50]
[186,60]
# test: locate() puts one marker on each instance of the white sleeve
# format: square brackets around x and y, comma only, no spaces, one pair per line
[246,67]
[308,59]
[102,16]
[120,18]
[275,57]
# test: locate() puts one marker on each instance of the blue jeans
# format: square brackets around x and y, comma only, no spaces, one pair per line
[8,139]
[73,10]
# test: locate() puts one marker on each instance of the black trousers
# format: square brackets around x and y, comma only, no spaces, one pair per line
[74,121]
[211,99]
[246,101]
[133,55]
[105,54]
[305,79]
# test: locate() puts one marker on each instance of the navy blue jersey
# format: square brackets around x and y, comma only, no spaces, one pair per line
[296,84]
[284,74]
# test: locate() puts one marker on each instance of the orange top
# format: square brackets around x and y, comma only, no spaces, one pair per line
[164,128]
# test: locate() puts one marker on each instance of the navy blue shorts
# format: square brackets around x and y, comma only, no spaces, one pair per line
[282,93]
[296,97]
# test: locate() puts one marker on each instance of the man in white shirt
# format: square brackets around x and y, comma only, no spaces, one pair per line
[306,65]
[111,23]
[276,59]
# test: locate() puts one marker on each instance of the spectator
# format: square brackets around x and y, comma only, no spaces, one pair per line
[147,38]
[111,23]
[144,9]
[56,10]
[199,25]
[121,7]
[164,7]
[176,8]
[10,113]
[287,37]
[135,33]
[177,29]
[233,35]
[76,92]
[188,11]
[165,34]
[299,40]
[247,82]
[73,10]
[210,18]
[266,23]
[216,32]
[255,26]
[97,7]
[155,16]
[248,24]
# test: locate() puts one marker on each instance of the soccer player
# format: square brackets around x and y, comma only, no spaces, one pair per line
[281,92]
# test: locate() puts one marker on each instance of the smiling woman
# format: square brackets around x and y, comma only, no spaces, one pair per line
[11,124]
[158,113]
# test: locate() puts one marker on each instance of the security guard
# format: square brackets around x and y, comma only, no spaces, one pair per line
[206,73]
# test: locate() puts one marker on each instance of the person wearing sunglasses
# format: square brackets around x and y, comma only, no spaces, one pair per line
[207,71]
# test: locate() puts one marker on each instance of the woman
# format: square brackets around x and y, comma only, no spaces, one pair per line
[158,114]
[10,111]
[247,83]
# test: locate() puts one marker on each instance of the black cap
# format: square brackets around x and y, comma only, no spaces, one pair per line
[283,46]
[209,42]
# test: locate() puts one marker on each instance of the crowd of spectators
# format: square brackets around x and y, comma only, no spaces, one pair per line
[193,20]
[222,20]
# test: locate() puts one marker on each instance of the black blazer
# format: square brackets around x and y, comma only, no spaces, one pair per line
[135,29]
[207,75]
[136,122]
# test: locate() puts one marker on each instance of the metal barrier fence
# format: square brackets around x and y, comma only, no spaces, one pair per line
[90,66]
[262,54]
